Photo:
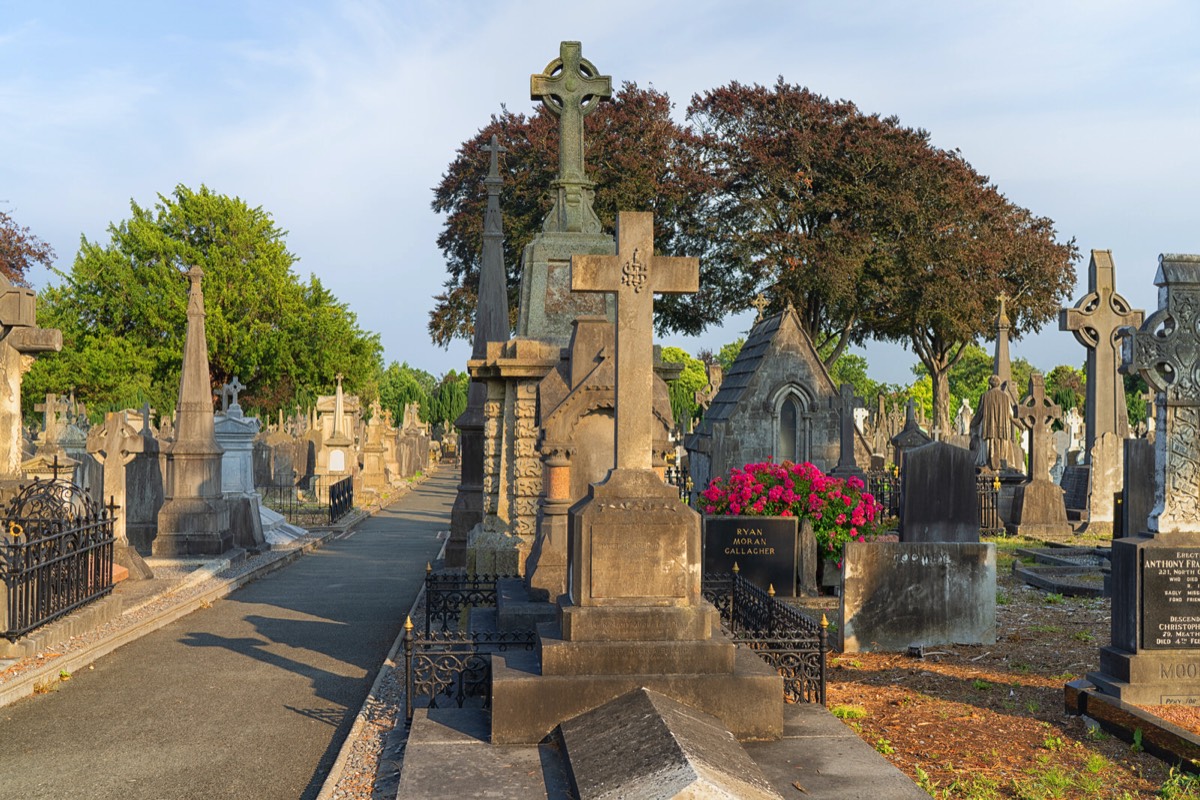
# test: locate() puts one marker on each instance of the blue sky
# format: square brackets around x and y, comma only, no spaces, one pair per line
[339,117]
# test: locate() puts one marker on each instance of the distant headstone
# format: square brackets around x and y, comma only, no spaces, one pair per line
[847,403]
[1138,494]
[910,437]
[940,501]
[1038,507]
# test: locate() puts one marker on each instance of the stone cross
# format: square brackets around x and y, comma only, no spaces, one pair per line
[1095,321]
[1001,364]
[1165,352]
[846,403]
[146,412]
[1036,414]
[760,303]
[571,88]
[634,275]
[495,149]
[235,388]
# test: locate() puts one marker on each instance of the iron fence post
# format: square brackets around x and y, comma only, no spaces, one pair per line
[408,672]
[824,650]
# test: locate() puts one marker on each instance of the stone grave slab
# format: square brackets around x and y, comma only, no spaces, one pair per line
[896,594]
[764,549]
[644,744]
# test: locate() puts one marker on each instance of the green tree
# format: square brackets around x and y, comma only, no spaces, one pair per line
[400,385]
[122,311]
[729,353]
[1067,386]
[683,390]
[449,399]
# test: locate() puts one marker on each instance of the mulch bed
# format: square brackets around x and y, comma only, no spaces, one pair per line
[989,722]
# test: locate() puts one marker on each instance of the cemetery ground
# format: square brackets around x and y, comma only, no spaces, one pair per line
[988,721]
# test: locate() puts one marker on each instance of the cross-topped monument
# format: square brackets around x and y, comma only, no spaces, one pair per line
[1095,321]
[571,88]
[1036,413]
[1165,351]
[229,394]
[634,275]
[846,402]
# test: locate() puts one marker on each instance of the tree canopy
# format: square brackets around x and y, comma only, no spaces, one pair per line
[860,223]
[122,311]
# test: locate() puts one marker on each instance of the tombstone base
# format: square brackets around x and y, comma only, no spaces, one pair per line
[193,527]
[1154,657]
[527,705]
[126,556]
[1038,511]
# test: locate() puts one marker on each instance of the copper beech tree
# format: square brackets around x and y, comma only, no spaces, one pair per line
[858,222]
[20,250]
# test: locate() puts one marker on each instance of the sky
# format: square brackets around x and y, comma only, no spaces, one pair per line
[339,118]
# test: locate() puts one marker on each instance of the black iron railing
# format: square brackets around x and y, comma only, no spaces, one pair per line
[885,486]
[448,593]
[56,554]
[787,639]
[987,489]
[443,662]
[454,666]
[341,499]
[681,480]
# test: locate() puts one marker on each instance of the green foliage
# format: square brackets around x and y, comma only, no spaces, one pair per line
[400,385]
[729,353]
[1067,386]
[449,399]
[851,368]
[683,390]
[848,712]
[122,311]
[1136,390]
[20,250]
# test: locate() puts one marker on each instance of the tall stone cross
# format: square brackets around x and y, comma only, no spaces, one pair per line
[235,388]
[1165,351]
[146,412]
[571,87]
[634,275]
[1036,413]
[847,402]
[1001,364]
[1095,321]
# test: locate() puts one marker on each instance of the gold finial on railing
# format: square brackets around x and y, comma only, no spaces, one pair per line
[736,570]
[824,621]
[428,568]
[770,590]
[996,483]
[408,626]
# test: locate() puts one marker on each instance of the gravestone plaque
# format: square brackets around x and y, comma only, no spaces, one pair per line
[764,548]
[940,501]
[1171,599]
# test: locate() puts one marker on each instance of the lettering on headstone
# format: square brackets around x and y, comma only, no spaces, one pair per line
[764,549]
[1171,599]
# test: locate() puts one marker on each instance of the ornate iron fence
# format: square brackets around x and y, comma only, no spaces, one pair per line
[453,665]
[56,554]
[681,480]
[787,639]
[448,593]
[456,665]
[987,489]
[341,499]
[885,486]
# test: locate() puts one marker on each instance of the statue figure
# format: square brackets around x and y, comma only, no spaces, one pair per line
[991,429]
[962,420]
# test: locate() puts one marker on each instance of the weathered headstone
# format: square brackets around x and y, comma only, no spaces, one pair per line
[896,594]
[1038,507]
[235,433]
[910,437]
[940,502]
[1138,493]
[1156,574]
[194,520]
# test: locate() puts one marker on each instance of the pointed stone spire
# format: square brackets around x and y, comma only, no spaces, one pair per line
[491,325]
[195,518]
[339,406]
[1000,363]
[194,412]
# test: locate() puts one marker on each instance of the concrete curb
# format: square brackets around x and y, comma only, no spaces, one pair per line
[389,663]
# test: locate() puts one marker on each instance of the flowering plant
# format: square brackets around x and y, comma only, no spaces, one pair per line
[839,509]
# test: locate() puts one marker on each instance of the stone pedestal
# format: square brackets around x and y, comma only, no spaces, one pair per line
[1155,648]
[633,617]
[1038,511]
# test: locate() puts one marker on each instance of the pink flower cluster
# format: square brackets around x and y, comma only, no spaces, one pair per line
[840,510]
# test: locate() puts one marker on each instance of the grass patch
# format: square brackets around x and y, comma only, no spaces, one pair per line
[980,685]
[848,712]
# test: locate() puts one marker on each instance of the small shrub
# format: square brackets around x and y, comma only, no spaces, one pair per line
[848,712]
[884,747]
[980,685]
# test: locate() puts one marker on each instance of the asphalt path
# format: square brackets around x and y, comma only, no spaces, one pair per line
[250,698]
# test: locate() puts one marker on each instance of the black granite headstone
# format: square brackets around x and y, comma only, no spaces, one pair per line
[764,549]
[1171,598]
[940,502]
[1138,499]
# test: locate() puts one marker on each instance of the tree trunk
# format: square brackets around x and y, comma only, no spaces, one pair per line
[940,378]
